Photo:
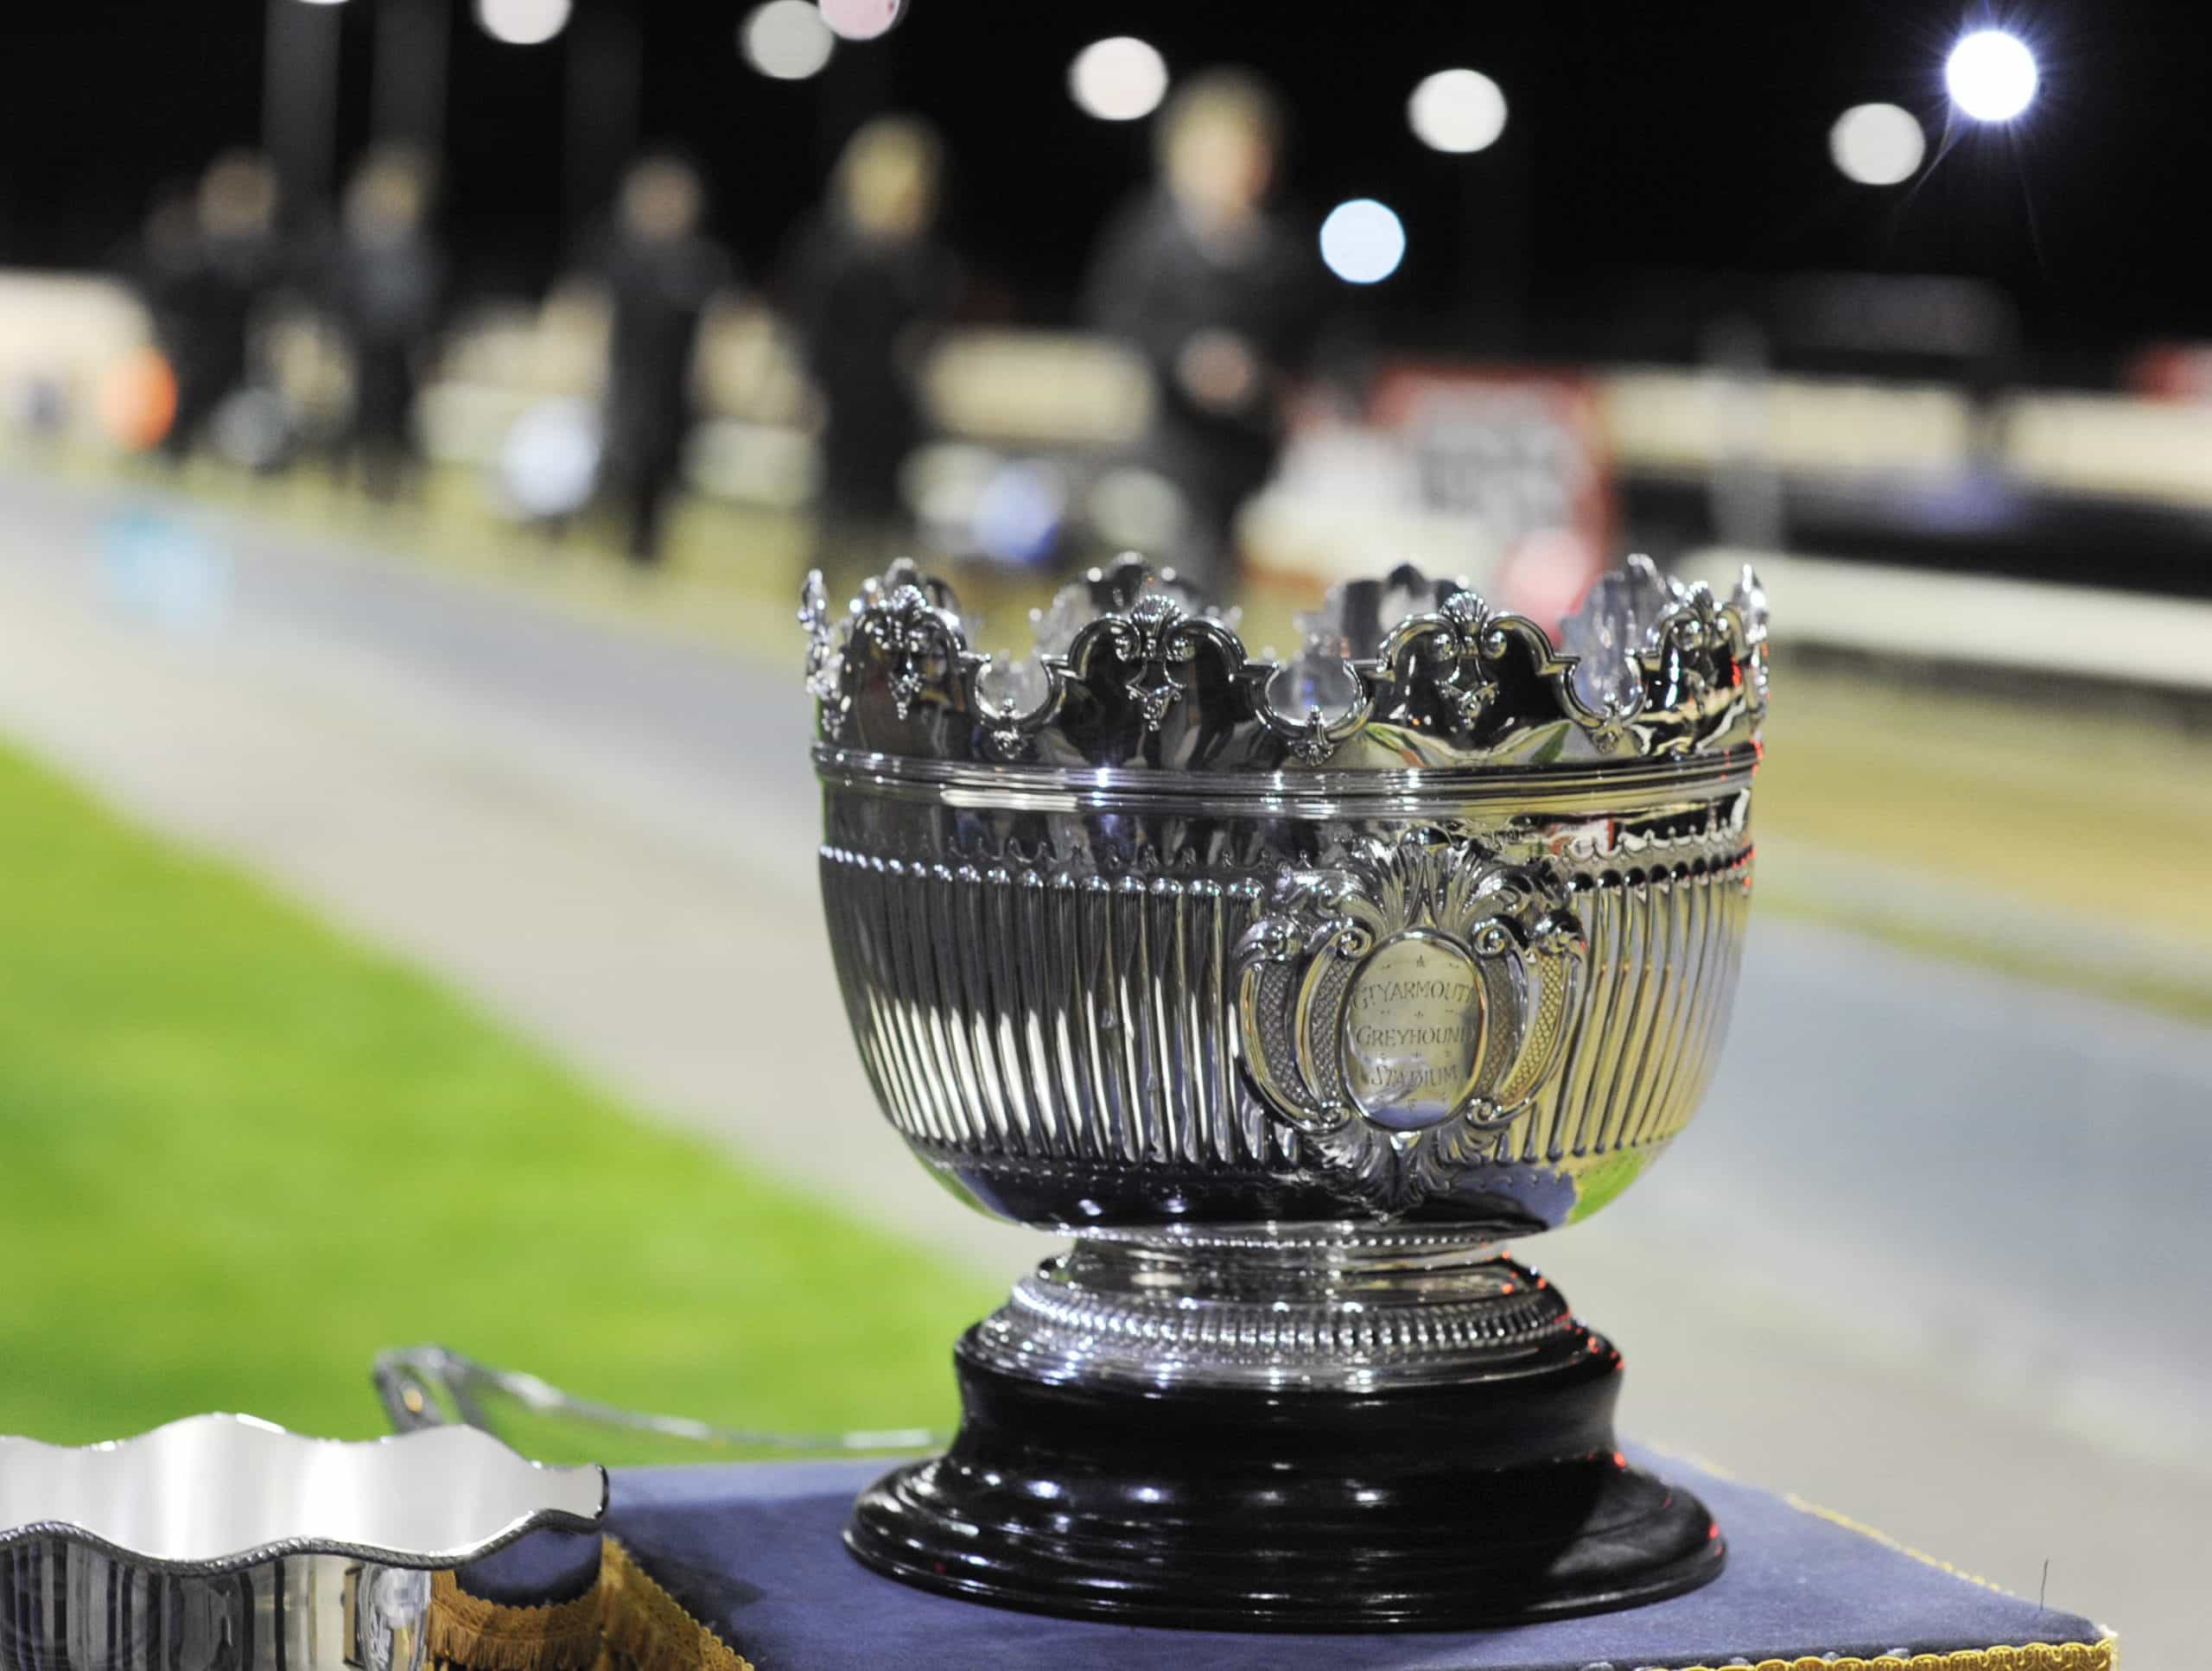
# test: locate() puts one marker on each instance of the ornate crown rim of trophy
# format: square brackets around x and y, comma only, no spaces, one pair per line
[1288,990]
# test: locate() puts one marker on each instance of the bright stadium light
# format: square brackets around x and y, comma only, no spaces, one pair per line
[1457,111]
[1118,80]
[1877,144]
[861,20]
[1992,75]
[1362,242]
[786,39]
[523,22]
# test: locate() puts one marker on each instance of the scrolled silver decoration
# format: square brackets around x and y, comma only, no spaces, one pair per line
[1462,679]
[1401,1008]
[912,633]
[1152,639]
[1651,667]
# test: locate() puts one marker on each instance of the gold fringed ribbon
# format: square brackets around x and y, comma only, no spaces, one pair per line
[628,1623]
[467,1631]
[647,1629]
[2029,1656]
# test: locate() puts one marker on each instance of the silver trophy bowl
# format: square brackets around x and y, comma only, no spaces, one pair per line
[1288,991]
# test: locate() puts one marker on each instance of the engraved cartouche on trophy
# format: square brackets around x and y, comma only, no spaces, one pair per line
[1290,993]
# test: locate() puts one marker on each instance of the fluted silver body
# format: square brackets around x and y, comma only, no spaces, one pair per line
[1046,1002]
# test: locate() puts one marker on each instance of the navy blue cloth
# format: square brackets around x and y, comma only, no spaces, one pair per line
[536,1570]
[752,1551]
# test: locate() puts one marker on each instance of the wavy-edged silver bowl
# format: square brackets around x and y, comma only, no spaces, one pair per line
[215,1493]
[224,1543]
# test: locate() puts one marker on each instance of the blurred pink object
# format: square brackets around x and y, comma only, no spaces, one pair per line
[1546,575]
[861,20]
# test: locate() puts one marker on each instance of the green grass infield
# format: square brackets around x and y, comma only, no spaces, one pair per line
[239,1153]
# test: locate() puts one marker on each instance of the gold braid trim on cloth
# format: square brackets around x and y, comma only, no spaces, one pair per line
[2030,1656]
[628,1623]
[647,1629]
[466,1631]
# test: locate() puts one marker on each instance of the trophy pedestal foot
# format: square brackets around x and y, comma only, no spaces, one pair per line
[1435,1476]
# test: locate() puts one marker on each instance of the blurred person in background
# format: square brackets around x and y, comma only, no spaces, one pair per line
[661,274]
[208,261]
[163,266]
[1223,300]
[868,286]
[385,281]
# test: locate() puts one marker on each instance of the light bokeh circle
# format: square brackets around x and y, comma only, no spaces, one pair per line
[786,39]
[1457,111]
[1992,75]
[1120,79]
[523,22]
[1877,144]
[861,20]
[1362,241]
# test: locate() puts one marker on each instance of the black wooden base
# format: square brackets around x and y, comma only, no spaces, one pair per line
[1494,1498]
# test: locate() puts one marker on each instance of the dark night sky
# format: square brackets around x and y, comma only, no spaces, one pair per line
[1645,139]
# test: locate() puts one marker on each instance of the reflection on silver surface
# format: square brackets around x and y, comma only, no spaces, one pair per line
[214,1493]
[221,1543]
[1201,980]
[68,1607]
